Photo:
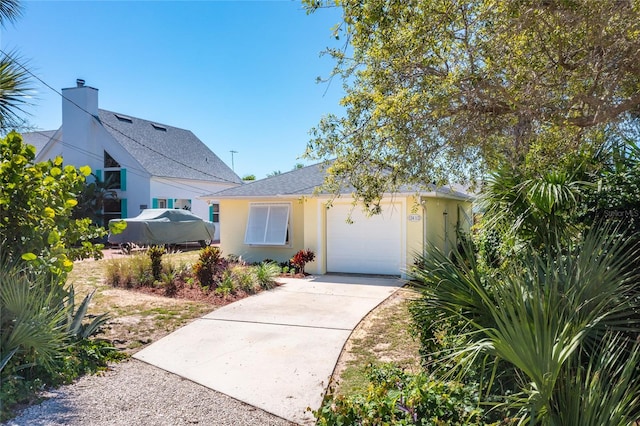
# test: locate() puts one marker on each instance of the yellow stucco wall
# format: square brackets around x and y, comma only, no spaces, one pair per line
[314,235]
[234,215]
[422,218]
[442,218]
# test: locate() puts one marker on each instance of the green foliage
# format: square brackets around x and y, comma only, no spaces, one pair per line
[43,334]
[266,273]
[32,320]
[77,327]
[397,398]
[44,338]
[36,205]
[155,254]
[249,177]
[225,278]
[540,211]
[208,267]
[436,89]
[92,198]
[170,277]
[14,86]
[613,197]
[542,315]
[227,284]
[245,279]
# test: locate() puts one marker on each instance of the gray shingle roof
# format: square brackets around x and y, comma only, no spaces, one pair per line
[305,180]
[165,150]
[38,139]
[296,182]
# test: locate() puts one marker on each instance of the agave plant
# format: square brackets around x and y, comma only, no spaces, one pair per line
[75,323]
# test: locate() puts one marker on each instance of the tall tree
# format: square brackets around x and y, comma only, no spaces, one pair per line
[444,88]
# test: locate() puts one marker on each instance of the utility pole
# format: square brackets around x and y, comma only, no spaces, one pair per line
[232,165]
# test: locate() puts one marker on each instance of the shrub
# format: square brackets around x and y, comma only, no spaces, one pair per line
[39,322]
[227,284]
[209,265]
[266,274]
[155,254]
[245,278]
[394,397]
[36,204]
[301,258]
[44,339]
[169,281]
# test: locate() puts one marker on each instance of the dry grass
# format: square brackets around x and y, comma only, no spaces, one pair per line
[137,319]
[383,336]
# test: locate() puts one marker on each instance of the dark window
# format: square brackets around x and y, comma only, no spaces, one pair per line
[112,209]
[112,179]
[216,213]
[109,161]
[112,206]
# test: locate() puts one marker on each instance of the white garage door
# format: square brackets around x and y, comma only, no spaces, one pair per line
[369,245]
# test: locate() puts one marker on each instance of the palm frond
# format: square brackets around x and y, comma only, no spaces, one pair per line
[10,10]
[30,317]
[15,91]
[601,388]
[539,312]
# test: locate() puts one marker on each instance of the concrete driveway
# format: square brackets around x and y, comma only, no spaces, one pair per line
[276,350]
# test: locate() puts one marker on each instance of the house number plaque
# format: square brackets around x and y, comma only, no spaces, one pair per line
[414,218]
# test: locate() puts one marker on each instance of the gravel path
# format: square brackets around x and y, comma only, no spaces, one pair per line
[136,393]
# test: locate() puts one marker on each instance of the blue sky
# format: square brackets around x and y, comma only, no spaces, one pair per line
[241,75]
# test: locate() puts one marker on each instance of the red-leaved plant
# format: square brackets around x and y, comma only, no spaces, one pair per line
[301,258]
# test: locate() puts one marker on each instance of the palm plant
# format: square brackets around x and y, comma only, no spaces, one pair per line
[545,314]
[32,319]
[10,10]
[538,211]
[14,77]
[92,199]
[14,90]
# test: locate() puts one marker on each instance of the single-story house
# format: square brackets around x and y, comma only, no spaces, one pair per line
[274,218]
[149,164]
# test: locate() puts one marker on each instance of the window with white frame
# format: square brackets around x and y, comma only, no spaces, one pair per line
[268,224]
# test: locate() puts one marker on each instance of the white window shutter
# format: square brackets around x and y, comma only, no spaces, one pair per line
[276,232]
[256,225]
[267,224]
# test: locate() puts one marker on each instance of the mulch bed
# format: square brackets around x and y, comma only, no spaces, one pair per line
[195,293]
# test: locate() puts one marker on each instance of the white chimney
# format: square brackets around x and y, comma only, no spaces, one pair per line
[79,125]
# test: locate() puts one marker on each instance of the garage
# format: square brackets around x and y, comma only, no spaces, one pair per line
[369,245]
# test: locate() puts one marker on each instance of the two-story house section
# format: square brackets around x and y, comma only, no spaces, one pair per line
[149,164]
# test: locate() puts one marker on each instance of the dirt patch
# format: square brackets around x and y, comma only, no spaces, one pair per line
[143,315]
[382,336]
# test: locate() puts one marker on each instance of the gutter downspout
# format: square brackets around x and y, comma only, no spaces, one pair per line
[423,203]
